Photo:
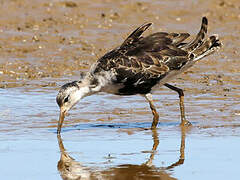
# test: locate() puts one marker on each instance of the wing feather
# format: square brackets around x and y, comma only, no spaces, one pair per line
[135,35]
[140,59]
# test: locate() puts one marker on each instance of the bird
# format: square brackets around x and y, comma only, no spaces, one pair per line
[139,66]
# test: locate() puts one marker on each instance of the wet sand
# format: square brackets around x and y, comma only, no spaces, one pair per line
[44,44]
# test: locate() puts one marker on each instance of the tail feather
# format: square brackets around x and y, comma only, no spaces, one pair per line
[199,38]
[178,38]
[208,47]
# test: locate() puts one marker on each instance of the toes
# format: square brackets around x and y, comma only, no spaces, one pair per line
[186,123]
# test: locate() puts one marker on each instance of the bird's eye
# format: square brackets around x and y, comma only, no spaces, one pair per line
[66,99]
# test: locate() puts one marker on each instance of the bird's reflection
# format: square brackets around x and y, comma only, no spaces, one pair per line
[70,169]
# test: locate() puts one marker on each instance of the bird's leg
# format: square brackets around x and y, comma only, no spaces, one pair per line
[184,122]
[154,148]
[182,150]
[154,112]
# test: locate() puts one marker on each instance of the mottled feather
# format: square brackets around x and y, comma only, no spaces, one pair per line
[138,65]
[141,62]
[199,38]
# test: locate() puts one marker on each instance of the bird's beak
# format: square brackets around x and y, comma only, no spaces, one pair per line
[60,121]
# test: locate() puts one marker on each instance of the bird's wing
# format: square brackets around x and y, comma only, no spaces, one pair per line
[145,57]
[135,35]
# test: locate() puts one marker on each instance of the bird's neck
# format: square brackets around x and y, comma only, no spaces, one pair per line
[96,82]
[89,85]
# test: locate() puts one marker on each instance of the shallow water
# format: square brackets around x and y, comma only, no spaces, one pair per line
[45,44]
[106,144]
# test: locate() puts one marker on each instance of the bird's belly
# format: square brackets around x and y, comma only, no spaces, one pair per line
[171,75]
[112,88]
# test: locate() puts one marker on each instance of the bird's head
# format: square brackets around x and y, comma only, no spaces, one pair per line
[68,95]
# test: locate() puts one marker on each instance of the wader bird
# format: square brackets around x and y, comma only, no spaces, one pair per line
[139,66]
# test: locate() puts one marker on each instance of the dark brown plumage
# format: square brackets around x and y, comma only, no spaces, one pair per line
[141,63]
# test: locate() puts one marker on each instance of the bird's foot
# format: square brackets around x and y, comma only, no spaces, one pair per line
[185,123]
